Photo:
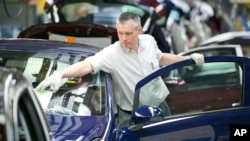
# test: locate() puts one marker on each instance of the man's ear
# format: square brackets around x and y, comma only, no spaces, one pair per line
[140,29]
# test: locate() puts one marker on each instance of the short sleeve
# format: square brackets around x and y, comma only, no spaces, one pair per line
[101,61]
[158,52]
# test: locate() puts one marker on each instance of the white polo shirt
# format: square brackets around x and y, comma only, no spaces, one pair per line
[128,67]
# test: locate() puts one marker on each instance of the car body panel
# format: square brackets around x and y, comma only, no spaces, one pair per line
[36,44]
[75,127]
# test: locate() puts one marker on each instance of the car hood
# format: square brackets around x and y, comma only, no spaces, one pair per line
[77,127]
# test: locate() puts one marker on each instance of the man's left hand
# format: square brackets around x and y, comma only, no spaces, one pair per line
[197,57]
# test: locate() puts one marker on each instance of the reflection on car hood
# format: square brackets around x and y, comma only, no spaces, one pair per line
[37,45]
[77,127]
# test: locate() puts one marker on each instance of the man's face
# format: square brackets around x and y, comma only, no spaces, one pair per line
[128,35]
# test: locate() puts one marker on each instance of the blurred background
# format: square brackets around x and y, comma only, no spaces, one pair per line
[211,17]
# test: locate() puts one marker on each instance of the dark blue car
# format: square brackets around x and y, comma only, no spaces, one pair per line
[82,109]
[204,101]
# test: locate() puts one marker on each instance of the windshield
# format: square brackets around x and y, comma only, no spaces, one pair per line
[78,96]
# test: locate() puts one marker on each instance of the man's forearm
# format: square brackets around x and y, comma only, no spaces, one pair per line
[78,69]
[168,59]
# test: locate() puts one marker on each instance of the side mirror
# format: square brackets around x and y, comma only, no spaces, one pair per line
[143,114]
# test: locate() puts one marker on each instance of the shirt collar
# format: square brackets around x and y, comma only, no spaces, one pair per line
[140,47]
[126,50]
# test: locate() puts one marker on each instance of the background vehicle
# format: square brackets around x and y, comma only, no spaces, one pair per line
[21,113]
[217,50]
[85,33]
[238,38]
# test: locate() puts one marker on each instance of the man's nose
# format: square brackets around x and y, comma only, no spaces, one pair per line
[124,37]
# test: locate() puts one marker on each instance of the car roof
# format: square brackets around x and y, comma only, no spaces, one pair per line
[228,37]
[39,45]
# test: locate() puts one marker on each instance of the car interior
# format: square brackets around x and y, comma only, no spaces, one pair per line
[193,89]
[212,86]
[74,96]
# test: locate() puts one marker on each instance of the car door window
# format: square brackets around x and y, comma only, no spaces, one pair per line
[212,86]
[30,118]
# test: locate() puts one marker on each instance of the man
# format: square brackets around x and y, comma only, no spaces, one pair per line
[128,60]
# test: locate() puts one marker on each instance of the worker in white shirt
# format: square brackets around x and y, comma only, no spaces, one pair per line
[128,60]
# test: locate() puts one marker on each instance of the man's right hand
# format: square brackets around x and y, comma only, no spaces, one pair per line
[55,81]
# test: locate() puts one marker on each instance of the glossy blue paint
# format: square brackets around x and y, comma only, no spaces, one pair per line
[72,127]
[48,46]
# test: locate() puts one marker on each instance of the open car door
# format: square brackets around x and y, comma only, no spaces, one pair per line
[204,101]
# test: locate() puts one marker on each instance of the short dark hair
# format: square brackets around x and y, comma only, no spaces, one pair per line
[129,17]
